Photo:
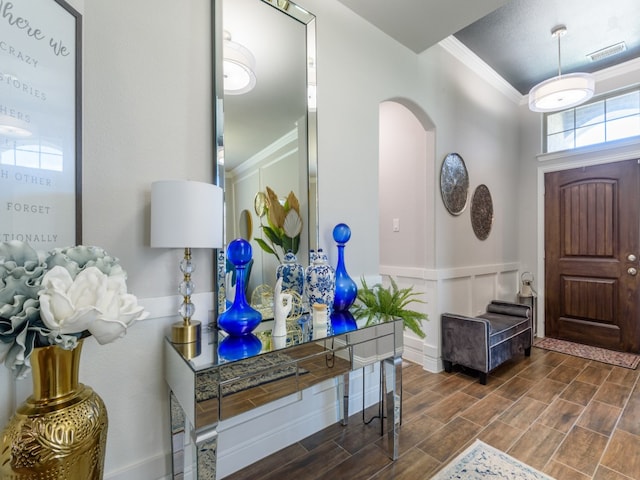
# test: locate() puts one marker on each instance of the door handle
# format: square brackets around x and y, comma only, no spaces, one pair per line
[632,271]
[631,257]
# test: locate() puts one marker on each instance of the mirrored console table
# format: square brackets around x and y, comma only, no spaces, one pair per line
[232,375]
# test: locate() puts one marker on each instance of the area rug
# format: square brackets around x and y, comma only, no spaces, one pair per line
[482,461]
[620,359]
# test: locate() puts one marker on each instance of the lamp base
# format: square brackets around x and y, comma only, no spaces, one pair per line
[186,332]
[189,350]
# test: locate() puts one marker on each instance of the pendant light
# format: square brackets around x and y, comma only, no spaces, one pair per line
[239,66]
[563,91]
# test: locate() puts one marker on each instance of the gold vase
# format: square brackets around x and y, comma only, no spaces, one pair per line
[60,432]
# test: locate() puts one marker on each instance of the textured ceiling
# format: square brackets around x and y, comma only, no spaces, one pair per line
[515,40]
[514,37]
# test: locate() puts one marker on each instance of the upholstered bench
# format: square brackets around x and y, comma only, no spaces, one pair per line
[484,342]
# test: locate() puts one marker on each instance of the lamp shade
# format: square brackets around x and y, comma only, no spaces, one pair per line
[186,214]
[561,92]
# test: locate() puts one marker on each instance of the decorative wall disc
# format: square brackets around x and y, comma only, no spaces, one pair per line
[481,212]
[454,183]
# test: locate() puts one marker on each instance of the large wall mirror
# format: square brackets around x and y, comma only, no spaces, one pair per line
[265,124]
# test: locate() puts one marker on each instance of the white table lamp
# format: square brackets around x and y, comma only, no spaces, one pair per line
[186,214]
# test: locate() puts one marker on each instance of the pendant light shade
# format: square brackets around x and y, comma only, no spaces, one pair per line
[563,91]
[239,66]
[14,127]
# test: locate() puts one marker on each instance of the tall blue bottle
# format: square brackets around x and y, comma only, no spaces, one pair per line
[240,318]
[346,289]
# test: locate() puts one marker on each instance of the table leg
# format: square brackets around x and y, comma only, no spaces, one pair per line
[186,461]
[343,398]
[177,437]
[392,371]
[206,441]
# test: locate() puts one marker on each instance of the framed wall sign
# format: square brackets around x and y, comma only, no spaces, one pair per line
[40,123]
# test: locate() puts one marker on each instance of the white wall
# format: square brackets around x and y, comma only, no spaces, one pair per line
[406,188]
[461,112]
[478,122]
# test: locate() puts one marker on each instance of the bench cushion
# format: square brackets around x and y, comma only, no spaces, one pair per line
[503,327]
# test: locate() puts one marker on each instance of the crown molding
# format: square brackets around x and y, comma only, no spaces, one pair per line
[629,66]
[289,138]
[456,48]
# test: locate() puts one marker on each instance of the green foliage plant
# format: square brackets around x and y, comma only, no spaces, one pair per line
[388,304]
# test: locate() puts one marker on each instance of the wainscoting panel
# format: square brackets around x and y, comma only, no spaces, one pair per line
[465,291]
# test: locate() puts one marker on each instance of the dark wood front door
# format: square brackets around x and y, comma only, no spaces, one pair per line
[592,231]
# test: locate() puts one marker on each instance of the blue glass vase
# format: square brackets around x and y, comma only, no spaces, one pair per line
[343,322]
[235,347]
[240,318]
[346,289]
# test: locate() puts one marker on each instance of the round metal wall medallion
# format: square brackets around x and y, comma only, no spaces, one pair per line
[481,212]
[454,183]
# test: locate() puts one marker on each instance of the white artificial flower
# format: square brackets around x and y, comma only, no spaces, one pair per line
[94,301]
[292,224]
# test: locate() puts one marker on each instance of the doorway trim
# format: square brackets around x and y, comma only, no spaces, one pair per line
[587,157]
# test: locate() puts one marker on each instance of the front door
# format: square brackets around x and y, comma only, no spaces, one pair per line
[592,248]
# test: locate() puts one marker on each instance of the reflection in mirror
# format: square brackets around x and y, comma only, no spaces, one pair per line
[245,225]
[265,123]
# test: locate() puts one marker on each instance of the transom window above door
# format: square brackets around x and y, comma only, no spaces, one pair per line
[603,120]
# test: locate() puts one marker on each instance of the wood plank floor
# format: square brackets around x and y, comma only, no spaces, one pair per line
[572,418]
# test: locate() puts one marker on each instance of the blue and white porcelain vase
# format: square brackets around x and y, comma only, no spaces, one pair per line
[240,318]
[292,273]
[346,288]
[320,281]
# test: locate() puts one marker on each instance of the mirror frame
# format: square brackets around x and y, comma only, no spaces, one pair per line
[299,14]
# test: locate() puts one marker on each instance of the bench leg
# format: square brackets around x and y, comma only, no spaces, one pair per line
[483,378]
[448,366]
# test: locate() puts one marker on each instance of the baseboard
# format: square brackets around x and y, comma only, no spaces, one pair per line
[412,349]
[432,361]
[153,468]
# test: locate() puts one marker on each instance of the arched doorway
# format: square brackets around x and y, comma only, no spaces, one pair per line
[407,179]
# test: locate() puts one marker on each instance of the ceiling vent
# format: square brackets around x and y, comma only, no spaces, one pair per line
[607,52]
